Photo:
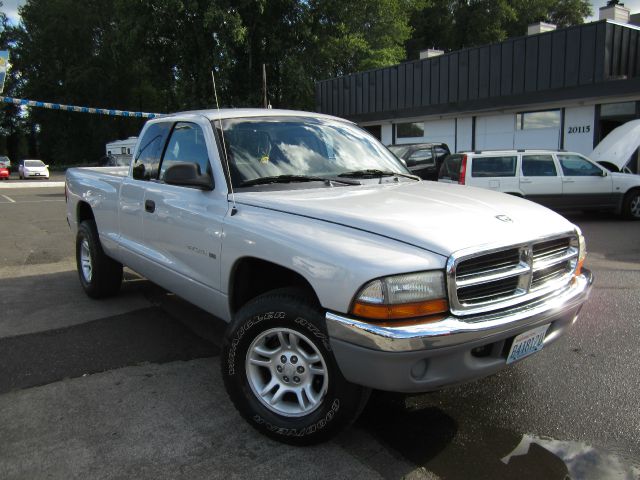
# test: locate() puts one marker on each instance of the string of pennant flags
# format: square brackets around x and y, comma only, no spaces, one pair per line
[74,108]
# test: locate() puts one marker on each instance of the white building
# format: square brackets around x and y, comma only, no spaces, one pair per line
[558,89]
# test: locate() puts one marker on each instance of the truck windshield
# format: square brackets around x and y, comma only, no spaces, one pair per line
[260,147]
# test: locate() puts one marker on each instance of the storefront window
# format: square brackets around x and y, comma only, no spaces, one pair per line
[408,130]
[618,109]
[545,119]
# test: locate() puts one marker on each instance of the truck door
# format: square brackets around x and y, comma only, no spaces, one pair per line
[183,225]
[584,184]
[132,193]
[540,180]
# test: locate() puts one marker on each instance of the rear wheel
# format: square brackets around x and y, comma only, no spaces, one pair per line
[100,275]
[280,372]
[631,205]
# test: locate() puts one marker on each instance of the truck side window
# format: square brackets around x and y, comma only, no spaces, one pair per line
[420,157]
[186,145]
[538,166]
[145,165]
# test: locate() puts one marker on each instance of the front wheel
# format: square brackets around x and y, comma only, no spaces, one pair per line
[631,205]
[280,372]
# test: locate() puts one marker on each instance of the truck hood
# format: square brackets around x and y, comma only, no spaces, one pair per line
[438,217]
[619,145]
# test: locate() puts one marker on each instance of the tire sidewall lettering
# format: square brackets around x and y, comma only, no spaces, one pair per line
[237,338]
[301,432]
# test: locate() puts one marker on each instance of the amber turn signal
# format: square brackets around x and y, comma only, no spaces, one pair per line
[401,311]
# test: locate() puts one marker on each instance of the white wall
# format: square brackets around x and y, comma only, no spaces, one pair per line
[387,134]
[441,131]
[464,137]
[495,132]
[579,129]
[548,138]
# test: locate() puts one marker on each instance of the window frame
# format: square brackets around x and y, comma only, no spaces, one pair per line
[520,119]
[398,135]
[166,146]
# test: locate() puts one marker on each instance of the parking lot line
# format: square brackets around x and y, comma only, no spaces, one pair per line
[11,200]
[31,184]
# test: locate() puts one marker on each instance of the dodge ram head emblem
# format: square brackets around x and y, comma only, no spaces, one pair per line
[504,218]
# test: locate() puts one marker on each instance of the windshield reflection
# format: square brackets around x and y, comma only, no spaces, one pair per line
[259,147]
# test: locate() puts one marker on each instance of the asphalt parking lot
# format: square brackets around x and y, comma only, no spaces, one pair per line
[130,387]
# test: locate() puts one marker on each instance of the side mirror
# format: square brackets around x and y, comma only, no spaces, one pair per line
[46,166]
[604,173]
[188,174]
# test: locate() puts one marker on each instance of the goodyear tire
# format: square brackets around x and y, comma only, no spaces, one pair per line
[100,275]
[280,372]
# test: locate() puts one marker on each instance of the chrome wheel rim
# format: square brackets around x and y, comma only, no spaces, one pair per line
[85,260]
[635,206]
[286,372]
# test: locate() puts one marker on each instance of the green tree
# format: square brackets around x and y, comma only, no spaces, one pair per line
[157,55]
[455,24]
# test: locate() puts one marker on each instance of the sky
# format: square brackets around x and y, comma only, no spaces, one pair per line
[10,7]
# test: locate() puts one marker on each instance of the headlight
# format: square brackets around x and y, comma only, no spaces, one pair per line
[402,296]
[580,244]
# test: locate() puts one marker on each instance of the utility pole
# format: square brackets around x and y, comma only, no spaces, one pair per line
[264,86]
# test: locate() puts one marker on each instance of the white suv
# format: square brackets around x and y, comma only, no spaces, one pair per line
[558,180]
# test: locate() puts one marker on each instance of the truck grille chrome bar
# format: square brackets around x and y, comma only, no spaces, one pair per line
[481,281]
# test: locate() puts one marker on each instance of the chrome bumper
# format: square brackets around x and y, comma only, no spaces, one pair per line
[453,331]
[430,356]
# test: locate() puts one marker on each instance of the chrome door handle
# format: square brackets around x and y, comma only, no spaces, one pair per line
[567,180]
[525,180]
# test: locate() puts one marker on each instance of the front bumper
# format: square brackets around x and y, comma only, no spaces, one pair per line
[419,358]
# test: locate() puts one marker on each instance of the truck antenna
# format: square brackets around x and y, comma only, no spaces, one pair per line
[234,208]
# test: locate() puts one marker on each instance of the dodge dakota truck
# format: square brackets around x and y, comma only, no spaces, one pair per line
[336,270]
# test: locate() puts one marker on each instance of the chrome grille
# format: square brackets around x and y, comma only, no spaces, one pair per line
[501,277]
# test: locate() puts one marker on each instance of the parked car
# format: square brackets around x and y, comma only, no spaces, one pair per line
[5,162]
[559,180]
[616,149]
[422,159]
[33,169]
[4,173]
[336,269]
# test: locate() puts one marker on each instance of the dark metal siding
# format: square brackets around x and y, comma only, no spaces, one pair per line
[587,59]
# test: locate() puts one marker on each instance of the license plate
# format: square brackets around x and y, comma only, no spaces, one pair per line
[527,343]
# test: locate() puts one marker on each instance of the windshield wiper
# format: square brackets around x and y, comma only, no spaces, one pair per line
[374,172]
[294,178]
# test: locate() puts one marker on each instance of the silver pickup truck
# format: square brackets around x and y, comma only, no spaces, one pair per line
[337,270]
